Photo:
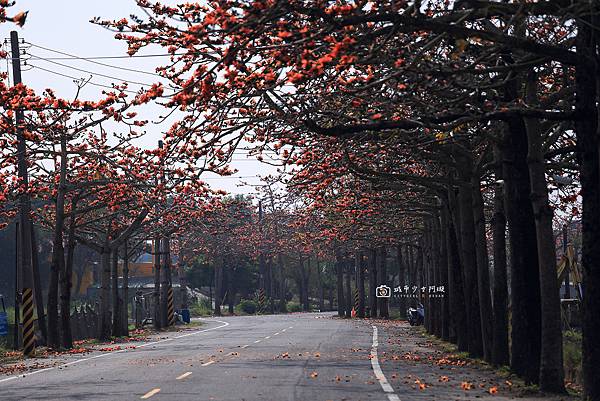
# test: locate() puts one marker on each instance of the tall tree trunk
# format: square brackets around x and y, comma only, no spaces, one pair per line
[551,358]
[349,298]
[500,350]
[166,281]
[282,290]
[116,301]
[427,250]
[587,130]
[305,285]
[66,282]
[125,330]
[321,288]
[469,262]
[218,286]
[360,272]
[458,309]
[443,277]
[272,286]
[339,266]
[401,279]
[483,270]
[384,311]
[372,282]
[156,319]
[56,265]
[230,290]
[37,284]
[104,329]
[525,323]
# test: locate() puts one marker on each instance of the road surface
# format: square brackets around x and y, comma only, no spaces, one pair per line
[280,357]
[297,357]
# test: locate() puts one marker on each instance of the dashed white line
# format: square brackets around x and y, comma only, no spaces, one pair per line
[208,363]
[183,376]
[150,393]
[257,341]
[377,369]
[276,334]
[267,337]
[114,352]
[283,330]
[245,346]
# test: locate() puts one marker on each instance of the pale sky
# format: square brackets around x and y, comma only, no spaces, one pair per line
[63,25]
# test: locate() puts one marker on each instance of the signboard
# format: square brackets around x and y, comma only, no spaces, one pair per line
[3,324]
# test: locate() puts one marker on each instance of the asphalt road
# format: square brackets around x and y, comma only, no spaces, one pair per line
[297,357]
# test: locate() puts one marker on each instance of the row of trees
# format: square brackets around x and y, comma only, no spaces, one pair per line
[445,134]
[431,118]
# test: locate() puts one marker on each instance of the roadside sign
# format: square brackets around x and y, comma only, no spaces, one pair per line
[3,324]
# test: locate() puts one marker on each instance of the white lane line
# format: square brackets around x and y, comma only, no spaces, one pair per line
[291,327]
[276,334]
[208,363]
[267,337]
[150,393]
[183,376]
[377,369]
[283,330]
[115,352]
[245,346]
[257,341]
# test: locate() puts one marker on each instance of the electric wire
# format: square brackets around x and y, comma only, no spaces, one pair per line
[94,73]
[87,59]
[79,79]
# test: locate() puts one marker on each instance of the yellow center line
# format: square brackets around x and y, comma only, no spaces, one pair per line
[150,393]
[208,363]
[183,376]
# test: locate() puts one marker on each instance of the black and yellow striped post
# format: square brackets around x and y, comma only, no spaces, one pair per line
[28,323]
[261,300]
[356,301]
[170,307]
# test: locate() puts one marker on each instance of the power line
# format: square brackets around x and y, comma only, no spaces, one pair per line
[93,73]
[89,60]
[79,79]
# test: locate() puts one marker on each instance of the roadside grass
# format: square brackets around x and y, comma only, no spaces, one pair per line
[571,361]
[201,308]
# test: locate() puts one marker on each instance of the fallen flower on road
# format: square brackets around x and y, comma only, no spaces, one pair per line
[466,386]
[314,375]
[109,349]
[493,390]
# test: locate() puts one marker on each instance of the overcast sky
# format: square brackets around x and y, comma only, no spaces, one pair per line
[63,25]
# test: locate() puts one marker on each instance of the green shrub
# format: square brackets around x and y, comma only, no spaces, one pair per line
[294,307]
[201,308]
[247,306]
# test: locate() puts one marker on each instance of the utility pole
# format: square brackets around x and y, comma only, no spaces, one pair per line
[261,256]
[157,318]
[25,263]
[16,340]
